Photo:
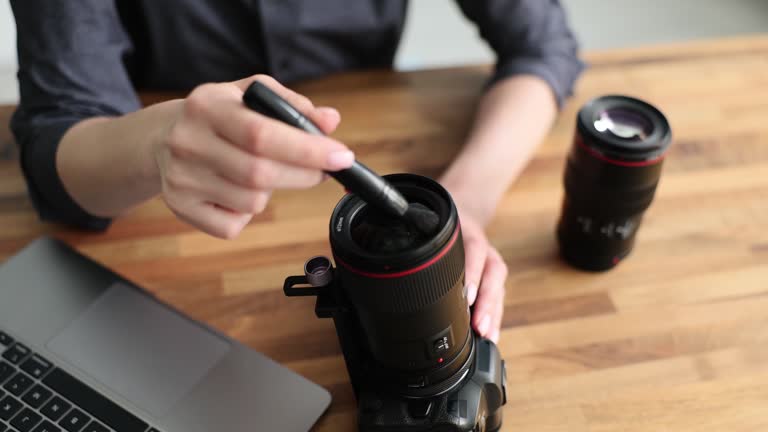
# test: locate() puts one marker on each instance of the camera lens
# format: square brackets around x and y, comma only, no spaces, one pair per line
[407,287]
[611,175]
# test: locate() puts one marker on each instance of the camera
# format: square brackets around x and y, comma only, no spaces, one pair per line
[611,176]
[399,304]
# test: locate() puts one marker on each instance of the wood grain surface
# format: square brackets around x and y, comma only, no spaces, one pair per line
[674,339]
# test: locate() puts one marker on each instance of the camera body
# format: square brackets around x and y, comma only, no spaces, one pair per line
[469,401]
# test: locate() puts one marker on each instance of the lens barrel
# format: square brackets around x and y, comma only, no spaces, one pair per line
[407,288]
[611,175]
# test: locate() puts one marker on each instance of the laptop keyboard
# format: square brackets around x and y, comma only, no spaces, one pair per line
[36,396]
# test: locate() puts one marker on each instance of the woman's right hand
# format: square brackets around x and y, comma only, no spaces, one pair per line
[219,161]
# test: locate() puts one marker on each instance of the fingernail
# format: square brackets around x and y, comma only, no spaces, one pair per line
[482,328]
[495,337]
[340,160]
[472,289]
[330,112]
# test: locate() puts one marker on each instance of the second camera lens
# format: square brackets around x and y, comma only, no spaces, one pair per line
[611,175]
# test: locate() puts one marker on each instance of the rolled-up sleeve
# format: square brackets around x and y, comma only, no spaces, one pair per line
[529,37]
[71,67]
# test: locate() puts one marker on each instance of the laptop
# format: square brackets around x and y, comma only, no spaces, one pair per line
[84,350]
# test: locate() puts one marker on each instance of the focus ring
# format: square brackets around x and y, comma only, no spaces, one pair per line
[408,293]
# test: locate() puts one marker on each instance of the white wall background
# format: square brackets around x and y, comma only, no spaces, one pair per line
[438,35]
[8,90]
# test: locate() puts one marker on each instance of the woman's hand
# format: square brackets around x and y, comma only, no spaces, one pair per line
[485,274]
[219,161]
[514,115]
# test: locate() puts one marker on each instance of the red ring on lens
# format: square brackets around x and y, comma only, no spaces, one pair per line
[604,158]
[403,273]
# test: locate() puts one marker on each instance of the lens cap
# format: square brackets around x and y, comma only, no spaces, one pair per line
[624,128]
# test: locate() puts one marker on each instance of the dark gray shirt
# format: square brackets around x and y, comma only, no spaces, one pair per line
[86,58]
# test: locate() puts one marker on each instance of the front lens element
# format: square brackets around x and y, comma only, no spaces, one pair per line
[382,234]
[624,123]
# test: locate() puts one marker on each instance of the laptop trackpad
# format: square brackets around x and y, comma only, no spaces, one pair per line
[139,348]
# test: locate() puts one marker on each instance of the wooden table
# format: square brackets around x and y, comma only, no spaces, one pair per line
[674,339]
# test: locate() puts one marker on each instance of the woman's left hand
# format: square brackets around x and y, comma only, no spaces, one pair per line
[485,274]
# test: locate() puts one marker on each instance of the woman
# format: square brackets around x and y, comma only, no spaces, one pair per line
[90,153]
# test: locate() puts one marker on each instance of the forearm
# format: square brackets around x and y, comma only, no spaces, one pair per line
[512,119]
[106,164]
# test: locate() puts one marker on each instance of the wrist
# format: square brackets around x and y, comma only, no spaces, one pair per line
[470,203]
[513,117]
[164,117]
